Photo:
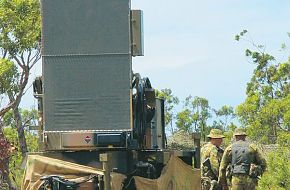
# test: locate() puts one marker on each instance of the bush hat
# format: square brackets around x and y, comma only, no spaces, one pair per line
[240,131]
[216,134]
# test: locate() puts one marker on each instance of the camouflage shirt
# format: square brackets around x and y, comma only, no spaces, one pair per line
[215,155]
[255,157]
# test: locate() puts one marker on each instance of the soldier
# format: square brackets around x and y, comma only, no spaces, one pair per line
[246,163]
[211,155]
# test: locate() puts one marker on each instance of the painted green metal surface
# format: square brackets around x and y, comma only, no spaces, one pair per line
[86,65]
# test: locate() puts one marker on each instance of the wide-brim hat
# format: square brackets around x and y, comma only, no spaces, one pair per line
[240,131]
[216,134]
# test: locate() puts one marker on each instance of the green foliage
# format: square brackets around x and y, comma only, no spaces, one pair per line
[170,102]
[28,117]
[284,140]
[277,176]
[266,113]
[19,42]
[20,25]
[261,121]
[266,109]
[194,116]
[241,34]
[280,169]
[10,131]
[224,115]
[8,76]
[200,113]
[229,134]
[16,170]
[184,120]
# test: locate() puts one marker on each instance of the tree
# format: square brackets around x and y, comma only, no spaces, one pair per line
[8,81]
[29,118]
[170,102]
[225,116]
[20,43]
[8,76]
[229,134]
[16,171]
[184,120]
[194,116]
[265,111]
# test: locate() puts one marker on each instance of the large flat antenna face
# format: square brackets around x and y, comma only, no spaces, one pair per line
[86,65]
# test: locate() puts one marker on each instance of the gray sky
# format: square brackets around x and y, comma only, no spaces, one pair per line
[190,46]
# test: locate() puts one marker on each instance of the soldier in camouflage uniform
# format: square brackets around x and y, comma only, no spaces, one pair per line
[211,155]
[246,163]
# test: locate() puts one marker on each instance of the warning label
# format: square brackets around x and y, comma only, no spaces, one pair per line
[88,139]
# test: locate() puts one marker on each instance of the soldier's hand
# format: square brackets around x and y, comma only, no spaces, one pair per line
[225,187]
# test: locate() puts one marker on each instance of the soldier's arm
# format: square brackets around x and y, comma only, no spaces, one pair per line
[226,160]
[202,158]
[259,159]
[202,154]
[214,161]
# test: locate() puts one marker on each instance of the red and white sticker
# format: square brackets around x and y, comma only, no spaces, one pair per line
[88,139]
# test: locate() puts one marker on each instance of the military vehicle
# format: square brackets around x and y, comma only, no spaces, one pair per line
[95,111]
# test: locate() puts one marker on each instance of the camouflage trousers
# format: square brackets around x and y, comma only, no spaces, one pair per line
[243,182]
[208,184]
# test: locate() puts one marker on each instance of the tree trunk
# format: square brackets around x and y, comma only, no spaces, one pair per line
[20,128]
[20,131]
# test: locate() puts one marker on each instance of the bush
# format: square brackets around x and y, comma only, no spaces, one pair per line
[277,176]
